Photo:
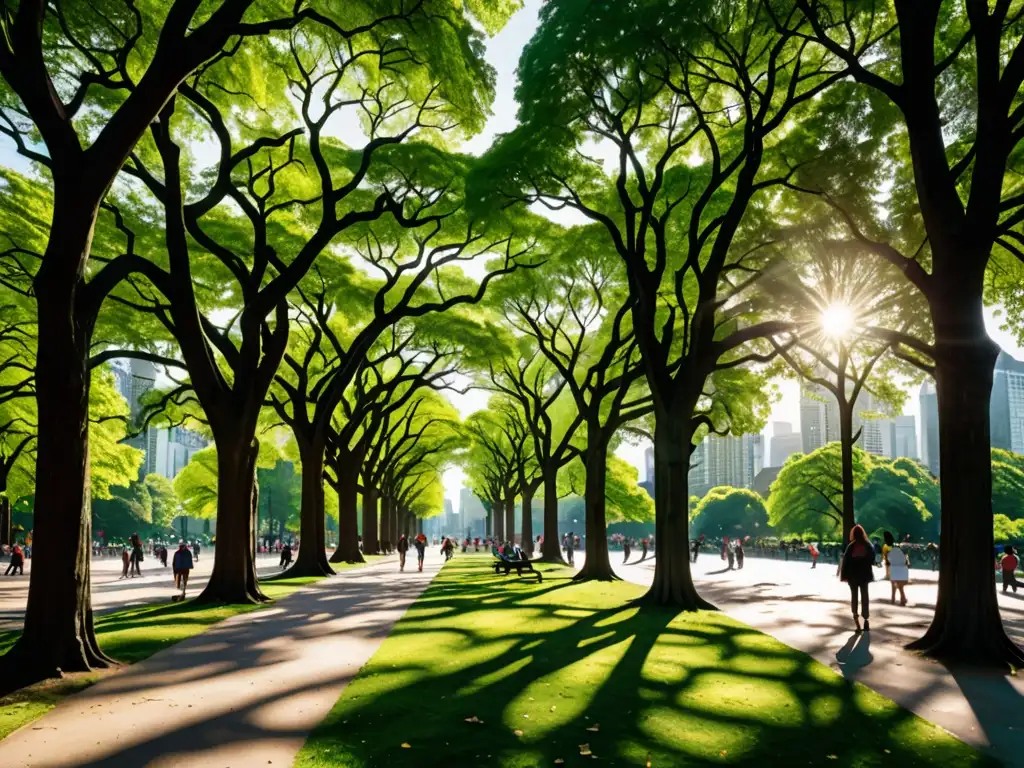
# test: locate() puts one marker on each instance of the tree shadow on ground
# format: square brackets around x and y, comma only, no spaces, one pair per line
[541,669]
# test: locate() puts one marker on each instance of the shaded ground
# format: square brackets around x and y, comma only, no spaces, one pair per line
[810,610]
[561,672]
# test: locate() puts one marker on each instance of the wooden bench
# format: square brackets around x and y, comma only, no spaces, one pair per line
[506,564]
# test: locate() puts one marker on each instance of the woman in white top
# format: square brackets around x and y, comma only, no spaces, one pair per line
[899,572]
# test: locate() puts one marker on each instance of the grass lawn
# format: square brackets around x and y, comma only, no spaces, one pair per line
[558,672]
[132,635]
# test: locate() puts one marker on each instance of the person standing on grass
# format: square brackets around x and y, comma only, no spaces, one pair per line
[897,566]
[421,549]
[181,565]
[856,569]
[403,547]
[1008,564]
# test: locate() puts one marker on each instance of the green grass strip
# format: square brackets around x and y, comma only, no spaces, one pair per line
[132,635]
[560,671]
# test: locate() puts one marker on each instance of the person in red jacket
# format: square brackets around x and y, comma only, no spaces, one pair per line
[1009,565]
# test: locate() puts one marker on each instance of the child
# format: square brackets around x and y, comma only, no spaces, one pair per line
[1009,564]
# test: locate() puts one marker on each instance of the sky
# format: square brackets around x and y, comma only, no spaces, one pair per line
[503,52]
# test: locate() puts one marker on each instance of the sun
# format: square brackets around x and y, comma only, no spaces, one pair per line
[836,320]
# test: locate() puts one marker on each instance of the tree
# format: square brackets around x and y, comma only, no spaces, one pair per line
[280,498]
[687,107]
[81,82]
[1007,484]
[948,75]
[577,310]
[808,493]
[728,511]
[496,457]
[901,496]
[164,500]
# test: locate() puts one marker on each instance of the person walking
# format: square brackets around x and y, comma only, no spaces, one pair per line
[195,549]
[856,570]
[286,555]
[727,553]
[643,549]
[695,547]
[888,542]
[1008,565]
[403,548]
[448,549]
[739,554]
[569,547]
[897,566]
[814,555]
[136,556]
[626,548]
[421,550]
[181,564]
[17,565]
[125,562]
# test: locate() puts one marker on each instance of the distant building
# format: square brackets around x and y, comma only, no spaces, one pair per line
[1006,406]
[784,443]
[929,427]
[905,437]
[472,514]
[764,479]
[648,482]
[731,460]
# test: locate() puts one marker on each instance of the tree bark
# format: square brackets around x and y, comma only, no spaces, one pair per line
[846,465]
[673,582]
[371,545]
[348,515]
[551,547]
[396,529]
[5,518]
[597,565]
[58,634]
[527,520]
[234,579]
[312,557]
[498,513]
[385,523]
[510,517]
[966,626]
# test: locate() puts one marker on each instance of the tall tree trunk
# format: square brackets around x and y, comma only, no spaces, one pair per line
[385,523]
[348,520]
[527,520]
[846,465]
[966,626]
[234,577]
[5,517]
[673,582]
[551,547]
[371,545]
[498,513]
[597,564]
[396,529]
[510,517]
[58,634]
[312,557]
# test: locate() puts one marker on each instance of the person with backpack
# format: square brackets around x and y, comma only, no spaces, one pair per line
[403,548]
[421,549]
[856,569]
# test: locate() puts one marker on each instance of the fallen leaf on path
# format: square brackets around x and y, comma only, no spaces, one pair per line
[648,764]
[552,707]
[723,753]
[474,719]
[595,727]
[585,750]
[517,732]
[559,761]
[406,745]
[832,757]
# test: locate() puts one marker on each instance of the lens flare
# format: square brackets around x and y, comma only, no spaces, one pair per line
[837,320]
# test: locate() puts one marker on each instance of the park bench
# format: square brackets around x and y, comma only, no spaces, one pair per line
[508,564]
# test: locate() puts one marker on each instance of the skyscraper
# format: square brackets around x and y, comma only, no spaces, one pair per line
[731,460]
[784,443]
[1006,406]
[929,427]
[905,437]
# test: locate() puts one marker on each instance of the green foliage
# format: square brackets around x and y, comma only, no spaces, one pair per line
[807,494]
[1007,484]
[196,484]
[280,496]
[1006,530]
[626,500]
[728,511]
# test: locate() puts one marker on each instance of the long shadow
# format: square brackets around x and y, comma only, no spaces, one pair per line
[538,677]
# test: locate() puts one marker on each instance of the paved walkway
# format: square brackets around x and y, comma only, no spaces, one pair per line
[245,693]
[112,593]
[810,610]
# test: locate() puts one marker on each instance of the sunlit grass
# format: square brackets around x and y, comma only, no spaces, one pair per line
[553,666]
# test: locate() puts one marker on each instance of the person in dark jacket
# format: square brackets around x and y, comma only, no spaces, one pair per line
[286,555]
[181,565]
[856,569]
[18,563]
[403,548]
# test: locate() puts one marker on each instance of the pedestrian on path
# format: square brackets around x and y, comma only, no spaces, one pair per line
[403,548]
[856,569]
[739,554]
[1008,564]
[448,549]
[286,555]
[695,549]
[136,556]
[125,562]
[897,566]
[727,553]
[814,555]
[421,549]
[887,544]
[195,549]
[625,550]
[18,563]
[569,543]
[643,550]
[181,565]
